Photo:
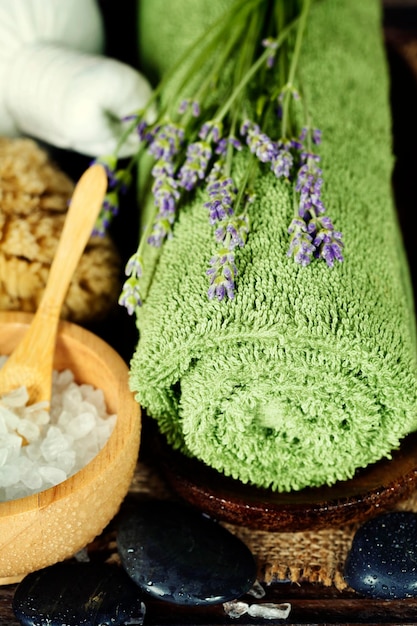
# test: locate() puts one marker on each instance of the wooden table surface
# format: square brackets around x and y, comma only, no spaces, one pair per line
[310,604]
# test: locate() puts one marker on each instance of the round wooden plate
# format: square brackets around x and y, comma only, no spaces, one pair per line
[372,490]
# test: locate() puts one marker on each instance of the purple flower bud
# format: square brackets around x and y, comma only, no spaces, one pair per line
[183,106]
[317,136]
[167,141]
[213,129]
[195,166]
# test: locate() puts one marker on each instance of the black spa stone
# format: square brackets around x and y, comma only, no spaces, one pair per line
[179,555]
[382,562]
[78,594]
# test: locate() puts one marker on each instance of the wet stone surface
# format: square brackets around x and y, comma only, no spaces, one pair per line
[382,562]
[75,594]
[179,555]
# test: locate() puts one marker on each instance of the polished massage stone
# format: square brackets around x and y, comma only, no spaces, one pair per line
[179,555]
[382,562]
[78,594]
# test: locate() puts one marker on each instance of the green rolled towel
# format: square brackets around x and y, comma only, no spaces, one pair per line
[309,373]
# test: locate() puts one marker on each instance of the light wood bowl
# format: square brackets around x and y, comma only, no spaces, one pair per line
[42,529]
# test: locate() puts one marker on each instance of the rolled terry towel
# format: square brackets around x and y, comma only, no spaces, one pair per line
[309,373]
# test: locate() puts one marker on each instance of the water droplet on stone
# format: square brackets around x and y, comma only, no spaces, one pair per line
[187,557]
[73,593]
[393,535]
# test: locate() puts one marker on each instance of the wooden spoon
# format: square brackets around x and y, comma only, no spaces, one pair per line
[31,363]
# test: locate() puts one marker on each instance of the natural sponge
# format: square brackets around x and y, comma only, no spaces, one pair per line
[34,195]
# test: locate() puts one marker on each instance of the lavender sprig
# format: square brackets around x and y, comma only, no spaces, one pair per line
[166,194]
[312,233]
[166,141]
[193,144]
[231,232]
[118,181]
[195,166]
[130,296]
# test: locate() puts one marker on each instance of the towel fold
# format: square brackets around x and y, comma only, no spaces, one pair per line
[310,372]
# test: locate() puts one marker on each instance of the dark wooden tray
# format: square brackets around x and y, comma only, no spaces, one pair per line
[375,489]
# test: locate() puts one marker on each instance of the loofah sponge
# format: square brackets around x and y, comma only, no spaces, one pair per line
[34,195]
[309,373]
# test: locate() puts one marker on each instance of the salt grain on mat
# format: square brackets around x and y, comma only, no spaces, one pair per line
[60,442]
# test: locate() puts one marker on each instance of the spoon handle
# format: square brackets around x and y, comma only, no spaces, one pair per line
[81,216]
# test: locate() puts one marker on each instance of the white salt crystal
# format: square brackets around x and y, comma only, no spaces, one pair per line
[11,420]
[51,474]
[81,425]
[72,399]
[62,379]
[12,443]
[3,427]
[54,444]
[9,475]
[16,398]
[235,609]
[38,413]
[33,451]
[63,418]
[269,610]
[28,430]
[31,478]
[3,456]
[67,461]
[60,442]
[13,492]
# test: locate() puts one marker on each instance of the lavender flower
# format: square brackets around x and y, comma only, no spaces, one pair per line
[195,166]
[233,232]
[259,143]
[271,45]
[109,162]
[211,130]
[123,180]
[167,141]
[134,266]
[186,104]
[283,160]
[317,136]
[161,229]
[327,240]
[166,195]
[301,246]
[222,192]
[309,184]
[222,273]
[222,144]
[109,209]
[143,131]
[332,251]
[130,296]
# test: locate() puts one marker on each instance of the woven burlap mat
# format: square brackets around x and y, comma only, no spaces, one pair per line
[315,556]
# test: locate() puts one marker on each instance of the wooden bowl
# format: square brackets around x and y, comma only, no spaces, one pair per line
[41,529]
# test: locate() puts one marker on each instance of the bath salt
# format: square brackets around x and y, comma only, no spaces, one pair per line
[60,442]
